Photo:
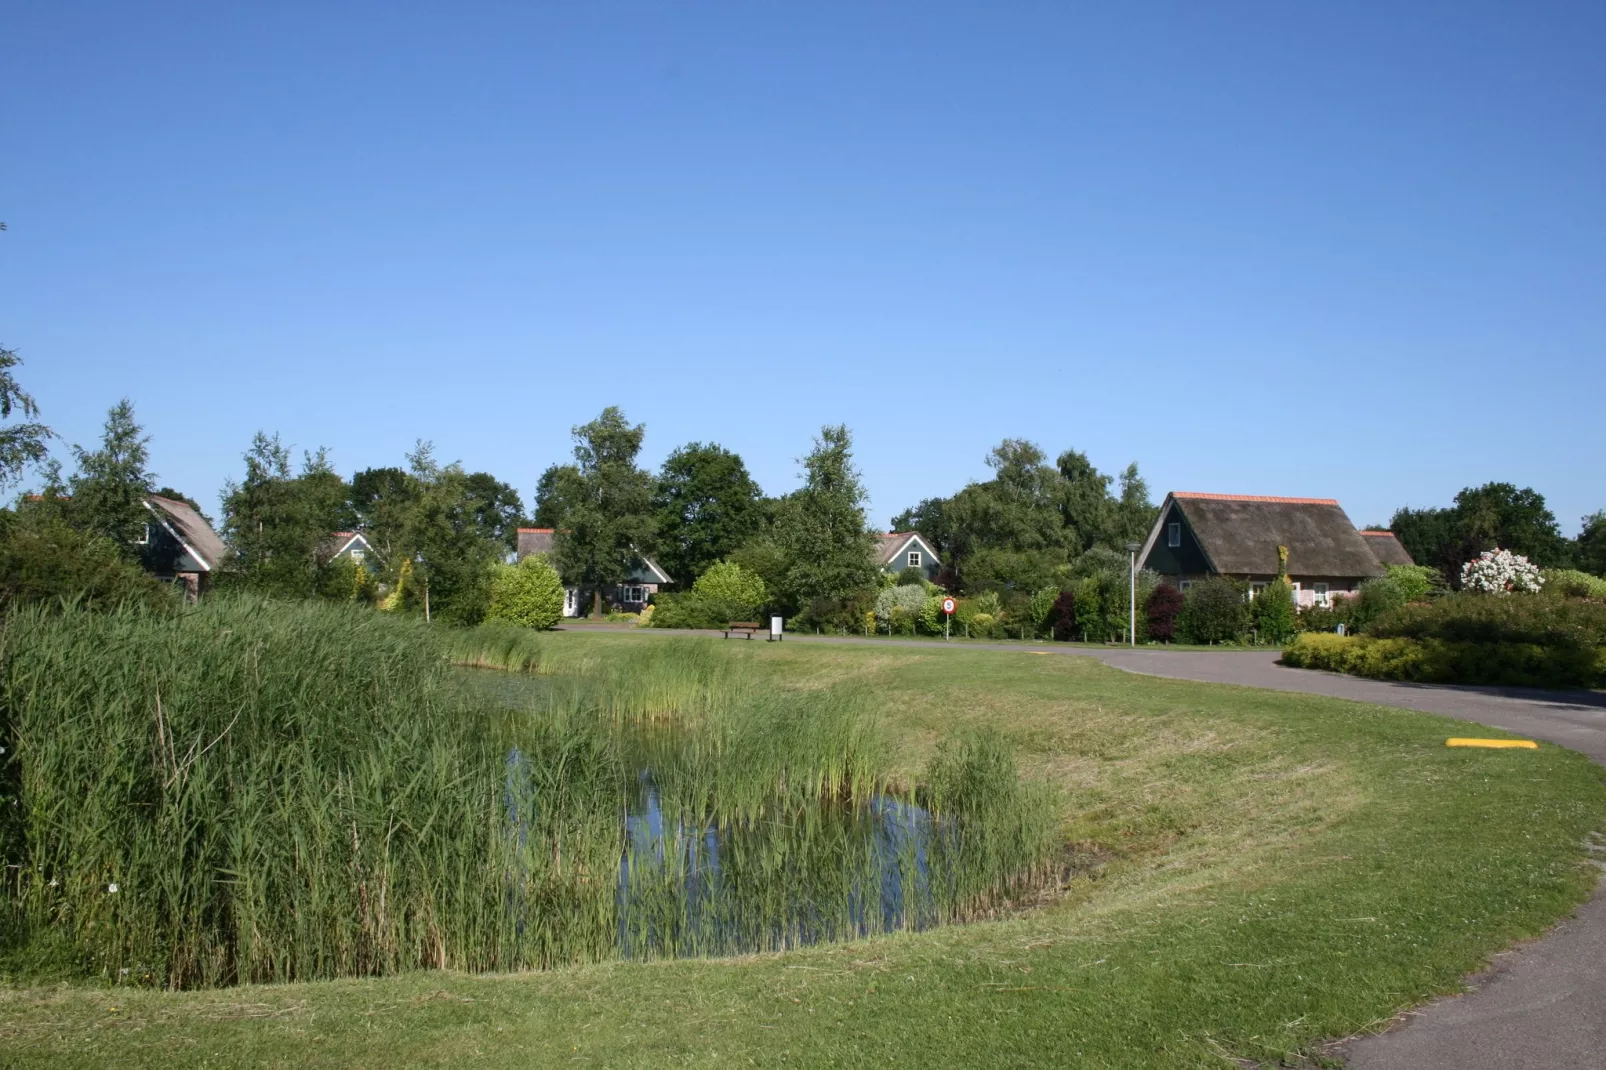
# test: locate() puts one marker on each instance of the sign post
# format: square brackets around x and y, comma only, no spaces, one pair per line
[948,606]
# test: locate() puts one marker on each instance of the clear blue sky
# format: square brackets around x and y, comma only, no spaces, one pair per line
[1348,250]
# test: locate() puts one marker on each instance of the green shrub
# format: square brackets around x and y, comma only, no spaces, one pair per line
[1326,618]
[1510,664]
[687,609]
[43,559]
[1213,611]
[528,594]
[911,576]
[1416,582]
[1547,620]
[1571,583]
[1273,612]
[1375,598]
[732,591]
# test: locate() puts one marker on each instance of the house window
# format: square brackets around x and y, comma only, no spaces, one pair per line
[914,558]
[144,538]
[1183,585]
[1173,535]
[356,554]
[633,593]
[1255,589]
[1322,597]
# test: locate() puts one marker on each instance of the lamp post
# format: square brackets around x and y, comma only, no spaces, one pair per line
[419,557]
[1132,594]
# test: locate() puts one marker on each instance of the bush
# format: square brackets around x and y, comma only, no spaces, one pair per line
[1273,612]
[1548,620]
[1214,611]
[899,607]
[528,594]
[732,591]
[1416,582]
[1501,572]
[911,576]
[1161,612]
[1062,618]
[345,580]
[1372,600]
[1326,618]
[1040,609]
[687,609]
[1571,583]
[43,559]
[1439,661]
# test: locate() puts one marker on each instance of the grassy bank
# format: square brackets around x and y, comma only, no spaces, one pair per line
[1262,871]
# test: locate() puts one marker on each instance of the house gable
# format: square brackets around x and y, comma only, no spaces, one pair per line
[1187,558]
[894,550]
[1244,535]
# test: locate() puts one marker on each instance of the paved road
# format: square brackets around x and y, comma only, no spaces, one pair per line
[1542,1004]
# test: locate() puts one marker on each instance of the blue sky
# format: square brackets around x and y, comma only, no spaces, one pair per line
[1335,250]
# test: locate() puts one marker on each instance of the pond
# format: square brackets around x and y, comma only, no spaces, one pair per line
[691,885]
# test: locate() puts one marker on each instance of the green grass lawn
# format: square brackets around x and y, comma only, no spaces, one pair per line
[1273,870]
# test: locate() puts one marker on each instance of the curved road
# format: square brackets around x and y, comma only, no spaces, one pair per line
[1542,1004]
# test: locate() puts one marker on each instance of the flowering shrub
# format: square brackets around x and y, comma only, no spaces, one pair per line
[1501,572]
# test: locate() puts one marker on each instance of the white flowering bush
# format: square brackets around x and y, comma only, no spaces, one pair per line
[1501,572]
[909,598]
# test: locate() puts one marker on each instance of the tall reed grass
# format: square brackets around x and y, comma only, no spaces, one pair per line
[257,791]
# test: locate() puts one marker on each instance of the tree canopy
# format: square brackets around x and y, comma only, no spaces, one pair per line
[706,506]
[602,508]
[21,444]
[112,482]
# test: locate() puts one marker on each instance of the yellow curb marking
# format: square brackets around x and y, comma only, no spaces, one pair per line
[1526,744]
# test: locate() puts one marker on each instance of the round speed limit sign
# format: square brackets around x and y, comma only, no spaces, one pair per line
[948,606]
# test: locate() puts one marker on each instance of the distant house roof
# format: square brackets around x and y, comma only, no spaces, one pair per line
[191,530]
[890,545]
[539,541]
[534,541]
[337,543]
[1240,534]
[1387,548]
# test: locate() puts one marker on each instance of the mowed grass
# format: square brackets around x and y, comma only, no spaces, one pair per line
[1269,871]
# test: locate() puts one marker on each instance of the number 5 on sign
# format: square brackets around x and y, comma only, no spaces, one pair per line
[948,606]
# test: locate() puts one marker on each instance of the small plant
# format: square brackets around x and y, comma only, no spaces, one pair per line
[1501,572]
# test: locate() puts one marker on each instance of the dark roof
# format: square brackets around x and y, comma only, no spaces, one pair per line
[539,541]
[1240,535]
[1387,548]
[336,543]
[191,529]
[888,546]
[534,541]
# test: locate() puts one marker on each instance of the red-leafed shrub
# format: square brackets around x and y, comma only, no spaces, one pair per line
[1163,606]
[1063,616]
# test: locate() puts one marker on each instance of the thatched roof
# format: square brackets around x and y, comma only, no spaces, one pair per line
[1240,535]
[1387,549]
[191,529]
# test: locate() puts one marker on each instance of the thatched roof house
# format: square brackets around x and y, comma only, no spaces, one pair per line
[1246,537]
[180,546]
[645,580]
[1387,548]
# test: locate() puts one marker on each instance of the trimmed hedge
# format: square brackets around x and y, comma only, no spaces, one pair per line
[1512,664]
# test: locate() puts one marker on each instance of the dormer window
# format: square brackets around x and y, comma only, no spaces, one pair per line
[914,559]
[1173,535]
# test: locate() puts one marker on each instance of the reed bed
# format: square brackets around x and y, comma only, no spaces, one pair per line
[257,791]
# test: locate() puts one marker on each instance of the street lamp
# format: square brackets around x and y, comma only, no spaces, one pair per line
[1132,594]
[419,557]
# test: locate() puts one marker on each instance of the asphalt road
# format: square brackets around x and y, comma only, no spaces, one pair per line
[1542,1004]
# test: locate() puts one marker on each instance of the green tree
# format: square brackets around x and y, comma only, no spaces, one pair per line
[44,559]
[498,510]
[1134,512]
[24,443]
[528,594]
[1589,551]
[443,542]
[1085,503]
[707,505]
[1501,514]
[606,521]
[1213,611]
[730,591]
[821,527]
[274,521]
[380,501]
[109,489]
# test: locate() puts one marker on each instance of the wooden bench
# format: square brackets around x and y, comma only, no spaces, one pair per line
[744,628]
